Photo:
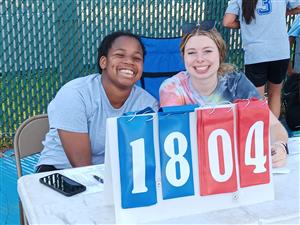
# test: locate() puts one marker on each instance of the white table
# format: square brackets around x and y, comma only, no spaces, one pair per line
[45,206]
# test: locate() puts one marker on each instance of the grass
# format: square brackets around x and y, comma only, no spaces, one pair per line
[24,94]
[5,144]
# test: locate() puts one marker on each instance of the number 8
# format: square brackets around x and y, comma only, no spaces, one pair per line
[169,146]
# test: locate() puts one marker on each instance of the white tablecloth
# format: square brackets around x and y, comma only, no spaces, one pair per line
[45,206]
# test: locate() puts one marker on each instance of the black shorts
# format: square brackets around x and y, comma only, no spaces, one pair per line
[273,71]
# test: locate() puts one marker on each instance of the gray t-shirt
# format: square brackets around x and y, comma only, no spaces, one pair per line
[82,106]
[265,38]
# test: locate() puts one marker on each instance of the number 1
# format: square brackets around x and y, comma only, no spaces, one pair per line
[138,169]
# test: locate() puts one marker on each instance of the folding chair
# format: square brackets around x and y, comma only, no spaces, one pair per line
[163,59]
[28,141]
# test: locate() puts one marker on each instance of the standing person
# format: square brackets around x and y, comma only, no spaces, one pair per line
[293,33]
[208,80]
[292,101]
[265,43]
[78,113]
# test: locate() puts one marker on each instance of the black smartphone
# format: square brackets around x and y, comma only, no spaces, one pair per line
[62,184]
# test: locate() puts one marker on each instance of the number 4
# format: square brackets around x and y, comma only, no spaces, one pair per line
[259,159]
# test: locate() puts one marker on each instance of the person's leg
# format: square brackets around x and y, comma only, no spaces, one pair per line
[290,70]
[274,98]
[276,75]
[261,90]
[257,74]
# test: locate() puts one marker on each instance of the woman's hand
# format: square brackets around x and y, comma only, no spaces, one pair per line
[279,154]
[279,138]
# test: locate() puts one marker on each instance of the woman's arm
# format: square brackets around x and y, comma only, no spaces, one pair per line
[77,147]
[168,98]
[230,21]
[279,138]
[171,92]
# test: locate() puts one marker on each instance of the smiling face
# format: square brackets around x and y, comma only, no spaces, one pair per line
[123,65]
[201,58]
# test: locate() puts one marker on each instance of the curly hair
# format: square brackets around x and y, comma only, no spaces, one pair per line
[108,41]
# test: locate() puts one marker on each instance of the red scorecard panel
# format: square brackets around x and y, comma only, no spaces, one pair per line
[253,142]
[215,135]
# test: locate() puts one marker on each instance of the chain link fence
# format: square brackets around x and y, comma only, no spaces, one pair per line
[45,43]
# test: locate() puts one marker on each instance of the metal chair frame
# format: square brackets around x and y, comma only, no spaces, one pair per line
[28,141]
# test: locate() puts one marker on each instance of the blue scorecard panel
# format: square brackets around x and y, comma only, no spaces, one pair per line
[137,161]
[163,59]
[175,155]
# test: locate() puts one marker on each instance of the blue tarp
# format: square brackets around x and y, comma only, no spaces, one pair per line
[9,201]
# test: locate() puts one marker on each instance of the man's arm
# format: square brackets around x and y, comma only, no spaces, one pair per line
[77,147]
[293,11]
[230,21]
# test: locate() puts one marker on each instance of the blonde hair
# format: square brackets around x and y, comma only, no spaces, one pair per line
[214,35]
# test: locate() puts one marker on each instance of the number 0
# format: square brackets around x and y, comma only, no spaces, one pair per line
[214,161]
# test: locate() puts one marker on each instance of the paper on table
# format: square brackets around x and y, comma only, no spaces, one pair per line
[281,170]
[86,178]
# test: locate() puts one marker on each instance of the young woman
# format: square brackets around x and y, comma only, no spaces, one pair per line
[78,113]
[265,42]
[208,80]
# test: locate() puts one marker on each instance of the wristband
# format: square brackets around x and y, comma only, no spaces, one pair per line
[283,144]
[285,147]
